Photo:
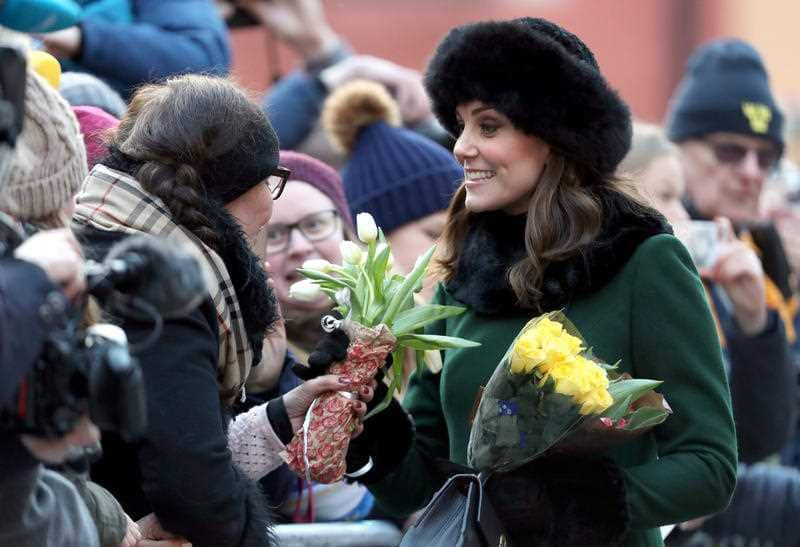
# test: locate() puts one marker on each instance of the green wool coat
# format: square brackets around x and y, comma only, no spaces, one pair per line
[653,317]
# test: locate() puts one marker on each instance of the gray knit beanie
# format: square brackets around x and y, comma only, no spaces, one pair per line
[82,89]
[49,161]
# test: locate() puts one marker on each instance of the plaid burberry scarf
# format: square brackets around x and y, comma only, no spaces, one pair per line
[114,201]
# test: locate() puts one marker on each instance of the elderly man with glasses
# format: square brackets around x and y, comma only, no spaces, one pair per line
[729,130]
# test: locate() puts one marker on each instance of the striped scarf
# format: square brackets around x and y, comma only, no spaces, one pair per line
[114,201]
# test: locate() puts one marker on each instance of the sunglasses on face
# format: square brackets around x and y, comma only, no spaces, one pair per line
[731,153]
[277,180]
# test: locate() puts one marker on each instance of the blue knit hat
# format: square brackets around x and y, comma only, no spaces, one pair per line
[725,89]
[392,173]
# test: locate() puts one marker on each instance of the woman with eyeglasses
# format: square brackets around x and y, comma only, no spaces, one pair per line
[195,161]
[310,222]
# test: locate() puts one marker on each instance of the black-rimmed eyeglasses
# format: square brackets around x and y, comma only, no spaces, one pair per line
[314,227]
[277,180]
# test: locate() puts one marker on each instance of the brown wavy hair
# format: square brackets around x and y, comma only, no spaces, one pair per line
[564,215]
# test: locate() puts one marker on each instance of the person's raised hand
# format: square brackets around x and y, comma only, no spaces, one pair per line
[56,252]
[63,44]
[739,272]
[299,23]
[403,83]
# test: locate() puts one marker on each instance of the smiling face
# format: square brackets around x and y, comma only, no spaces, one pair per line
[501,163]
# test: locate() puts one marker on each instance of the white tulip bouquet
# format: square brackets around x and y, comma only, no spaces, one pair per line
[380,317]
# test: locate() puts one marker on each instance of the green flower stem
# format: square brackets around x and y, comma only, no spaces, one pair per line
[404,291]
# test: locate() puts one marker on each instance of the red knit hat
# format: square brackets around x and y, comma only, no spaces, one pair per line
[319,175]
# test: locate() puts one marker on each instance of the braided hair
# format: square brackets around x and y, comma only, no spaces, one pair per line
[196,143]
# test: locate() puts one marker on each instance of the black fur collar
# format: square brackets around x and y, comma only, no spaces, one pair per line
[496,241]
[257,302]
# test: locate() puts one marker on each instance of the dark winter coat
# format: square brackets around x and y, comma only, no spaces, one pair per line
[182,469]
[636,297]
[763,382]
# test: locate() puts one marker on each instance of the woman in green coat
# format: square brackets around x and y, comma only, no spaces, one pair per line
[541,224]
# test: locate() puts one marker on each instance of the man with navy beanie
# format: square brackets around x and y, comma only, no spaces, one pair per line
[729,128]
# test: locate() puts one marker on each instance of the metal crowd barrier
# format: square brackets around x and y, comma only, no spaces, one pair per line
[367,533]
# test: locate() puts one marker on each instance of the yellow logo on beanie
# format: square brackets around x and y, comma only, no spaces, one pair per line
[759,116]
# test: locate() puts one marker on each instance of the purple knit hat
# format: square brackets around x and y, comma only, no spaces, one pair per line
[95,123]
[319,175]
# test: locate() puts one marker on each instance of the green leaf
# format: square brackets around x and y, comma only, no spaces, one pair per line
[417,317]
[404,291]
[420,361]
[314,275]
[619,409]
[379,272]
[433,341]
[632,387]
[646,417]
[397,374]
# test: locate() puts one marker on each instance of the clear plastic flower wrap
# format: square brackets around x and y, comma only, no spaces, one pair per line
[550,394]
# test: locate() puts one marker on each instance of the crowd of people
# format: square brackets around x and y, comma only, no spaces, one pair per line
[673,248]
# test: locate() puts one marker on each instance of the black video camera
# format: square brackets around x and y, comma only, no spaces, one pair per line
[91,371]
[80,373]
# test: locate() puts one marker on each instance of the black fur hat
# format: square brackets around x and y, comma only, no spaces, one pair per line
[542,77]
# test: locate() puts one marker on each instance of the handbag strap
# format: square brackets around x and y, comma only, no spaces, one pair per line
[487,521]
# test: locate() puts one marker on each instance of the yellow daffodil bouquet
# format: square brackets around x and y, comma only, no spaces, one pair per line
[549,393]
[380,317]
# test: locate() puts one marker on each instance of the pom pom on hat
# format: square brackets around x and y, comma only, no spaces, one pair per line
[352,107]
[391,172]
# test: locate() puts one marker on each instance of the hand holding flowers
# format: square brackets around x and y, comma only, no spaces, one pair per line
[380,317]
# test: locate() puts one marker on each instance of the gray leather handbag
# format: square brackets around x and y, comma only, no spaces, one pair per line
[459,515]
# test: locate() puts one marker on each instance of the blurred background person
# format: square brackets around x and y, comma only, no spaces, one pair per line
[760,370]
[132,42]
[730,133]
[327,61]
[403,179]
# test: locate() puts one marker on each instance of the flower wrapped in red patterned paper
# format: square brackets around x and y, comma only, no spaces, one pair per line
[380,317]
[318,450]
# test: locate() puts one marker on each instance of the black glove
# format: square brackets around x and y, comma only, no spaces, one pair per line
[387,436]
[386,439]
[330,349]
[562,501]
